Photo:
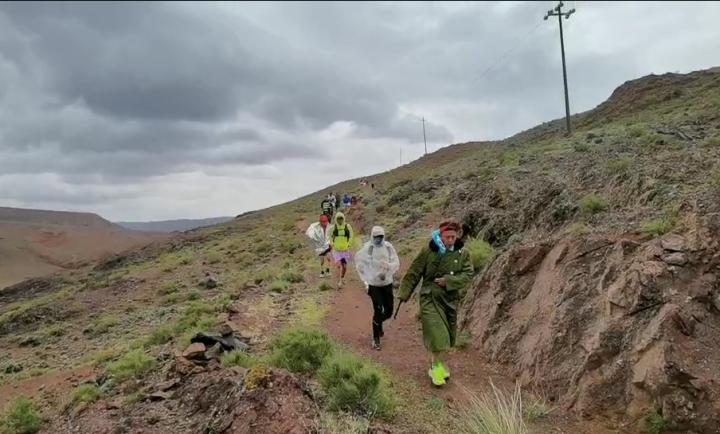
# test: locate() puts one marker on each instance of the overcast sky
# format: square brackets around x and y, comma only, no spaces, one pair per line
[145,111]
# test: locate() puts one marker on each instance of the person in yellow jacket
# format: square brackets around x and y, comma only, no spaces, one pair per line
[341,238]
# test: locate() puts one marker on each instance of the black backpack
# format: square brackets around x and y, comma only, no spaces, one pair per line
[346,231]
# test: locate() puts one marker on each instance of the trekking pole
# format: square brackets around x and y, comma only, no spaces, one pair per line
[398,309]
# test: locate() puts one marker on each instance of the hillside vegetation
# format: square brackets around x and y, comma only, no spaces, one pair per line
[599,288]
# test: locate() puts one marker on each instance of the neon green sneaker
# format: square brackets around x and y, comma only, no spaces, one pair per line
[437,374]
[447,371]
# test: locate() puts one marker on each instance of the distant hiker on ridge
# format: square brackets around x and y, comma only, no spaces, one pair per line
[341,237]
[346,201]
[328,207]
[376,263]
[445,269]
[318,234]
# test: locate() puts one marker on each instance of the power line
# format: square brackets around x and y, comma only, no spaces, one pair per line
[505,55]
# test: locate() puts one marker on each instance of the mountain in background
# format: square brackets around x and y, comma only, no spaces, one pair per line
[173,225]
[35,243]
[58,218]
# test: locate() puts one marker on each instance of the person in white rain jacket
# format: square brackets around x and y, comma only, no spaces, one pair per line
[318,234]
[376,263]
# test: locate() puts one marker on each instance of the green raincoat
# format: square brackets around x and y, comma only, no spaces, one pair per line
[438,305]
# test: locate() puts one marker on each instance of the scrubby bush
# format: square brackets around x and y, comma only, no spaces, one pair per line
[102,325]
[581,147]
[85,394]
[494,412]
[324,286]
[132,364]
[356,385]
[238,358]
[292,276]
[481,252]
[20,418]
[279,286]
[299,350]
[656,227]
[655,423]
[593,203]
[619,166]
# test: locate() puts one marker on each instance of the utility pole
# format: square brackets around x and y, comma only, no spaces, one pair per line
[424,139]
[559,13]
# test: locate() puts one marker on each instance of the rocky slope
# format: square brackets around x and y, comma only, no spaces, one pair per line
[603,292]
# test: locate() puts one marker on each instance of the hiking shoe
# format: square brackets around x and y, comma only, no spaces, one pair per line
[340,283]
[437,374]
[376,344]
[447,371]
[322,274]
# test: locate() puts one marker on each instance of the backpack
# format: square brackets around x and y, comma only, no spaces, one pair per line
[346,231]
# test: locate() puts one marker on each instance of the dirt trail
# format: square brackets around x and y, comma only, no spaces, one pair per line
[349,321]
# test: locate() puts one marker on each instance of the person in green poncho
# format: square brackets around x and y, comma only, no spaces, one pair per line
[445,270]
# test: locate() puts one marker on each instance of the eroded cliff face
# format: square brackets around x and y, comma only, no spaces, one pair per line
[609,325]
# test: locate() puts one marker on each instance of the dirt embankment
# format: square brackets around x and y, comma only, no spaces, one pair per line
[609,325]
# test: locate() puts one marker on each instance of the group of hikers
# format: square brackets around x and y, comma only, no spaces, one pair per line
[332,203]
[442,270]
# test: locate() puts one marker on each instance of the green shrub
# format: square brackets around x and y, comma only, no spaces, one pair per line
[581,147]
[481,253]
[20,418]
[299,350]
[656,227]
[168,288]
[356,385]
[132,364]
[324,286]
[655,423]
[292,276]
[279,286]
[619,166]
[159,336]
[102,325]
[636,131]
[592,203]
[712,142]
[238,358]
[85,394]
[214,257]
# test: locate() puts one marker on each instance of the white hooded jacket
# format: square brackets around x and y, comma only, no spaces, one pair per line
[376,265]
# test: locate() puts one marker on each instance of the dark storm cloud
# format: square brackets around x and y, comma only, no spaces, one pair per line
[95,96]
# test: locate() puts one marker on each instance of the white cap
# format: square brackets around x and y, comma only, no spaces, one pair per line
[377,231]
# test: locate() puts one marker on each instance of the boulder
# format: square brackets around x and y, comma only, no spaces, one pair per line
[194,351]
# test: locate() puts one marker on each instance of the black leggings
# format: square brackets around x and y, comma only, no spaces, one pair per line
[382,300]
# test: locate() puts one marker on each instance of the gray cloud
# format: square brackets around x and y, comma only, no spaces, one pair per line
[137,107]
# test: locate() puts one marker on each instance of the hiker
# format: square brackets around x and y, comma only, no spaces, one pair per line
[341,237]
[328,207]
[346,201]
[445,269]
[318,234]
[376,263]
[353,201]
